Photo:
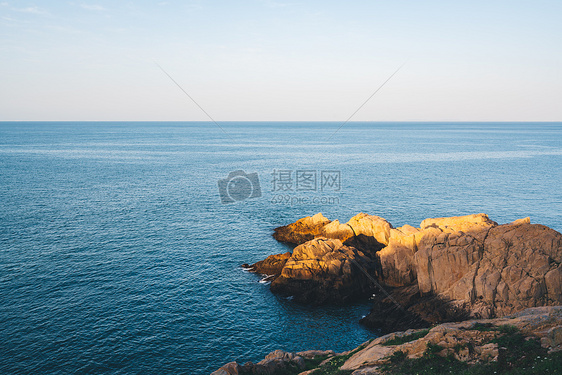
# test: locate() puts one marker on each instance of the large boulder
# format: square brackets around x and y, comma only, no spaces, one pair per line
[496,269]
[371,226]
[337,230]
[325,271]
[302,230]
[447,253]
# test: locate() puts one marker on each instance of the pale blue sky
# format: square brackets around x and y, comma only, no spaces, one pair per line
[281,60]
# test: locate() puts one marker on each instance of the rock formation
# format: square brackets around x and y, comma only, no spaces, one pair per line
[473,341]
[447,269]
[325,271]
[470,341]
[272,265]
[496,269]
[302,230]
[277,361]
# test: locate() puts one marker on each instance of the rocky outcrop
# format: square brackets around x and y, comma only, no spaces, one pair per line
[325,271]
[277,362]
[302,230]
[367,232]
[400,259]
[272,265]
[474,341]
[445,270]
[497,269]
[467,267]
[336,230]
[371,226]
[332,263]
[469,341]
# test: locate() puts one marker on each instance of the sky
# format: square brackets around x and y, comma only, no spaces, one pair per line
[277,60]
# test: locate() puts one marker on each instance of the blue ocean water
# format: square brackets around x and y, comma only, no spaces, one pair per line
[117,255]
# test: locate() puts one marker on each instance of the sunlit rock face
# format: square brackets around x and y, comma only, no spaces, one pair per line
[325,271]
[302,230]
[497,269]
[362,230]
[463,266]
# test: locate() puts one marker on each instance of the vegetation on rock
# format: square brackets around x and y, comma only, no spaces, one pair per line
[407,338]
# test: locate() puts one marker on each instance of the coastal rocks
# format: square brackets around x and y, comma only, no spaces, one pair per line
[472,342]
[231,368]
[467,223]
[447,253]
[337,230]
[497,269]
[325,271]
[448,269]
[446,336]
[371,226]
[469,341]
[367,232]
[302,230]
[277,362]
[272,265]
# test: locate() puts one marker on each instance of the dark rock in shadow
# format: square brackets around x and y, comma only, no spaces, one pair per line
[406,308]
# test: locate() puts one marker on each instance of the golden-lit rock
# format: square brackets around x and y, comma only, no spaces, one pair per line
[302,230]
[467,264]
[371,226]
[337,230]
[325,270]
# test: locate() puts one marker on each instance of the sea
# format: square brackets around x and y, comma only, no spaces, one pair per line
[121,243]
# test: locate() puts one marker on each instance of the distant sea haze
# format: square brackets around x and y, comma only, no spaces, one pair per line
[121,242]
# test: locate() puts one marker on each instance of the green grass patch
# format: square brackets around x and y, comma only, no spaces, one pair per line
[516,351]
[484,327]
[489,327]
[312,363]
[429,363]
[407,338]
[508,329]
[332,367]
[518,355]
[398,356]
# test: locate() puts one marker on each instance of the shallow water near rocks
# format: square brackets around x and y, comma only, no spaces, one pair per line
[117,255]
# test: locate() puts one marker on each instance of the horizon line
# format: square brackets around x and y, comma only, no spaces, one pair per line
[300,121]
